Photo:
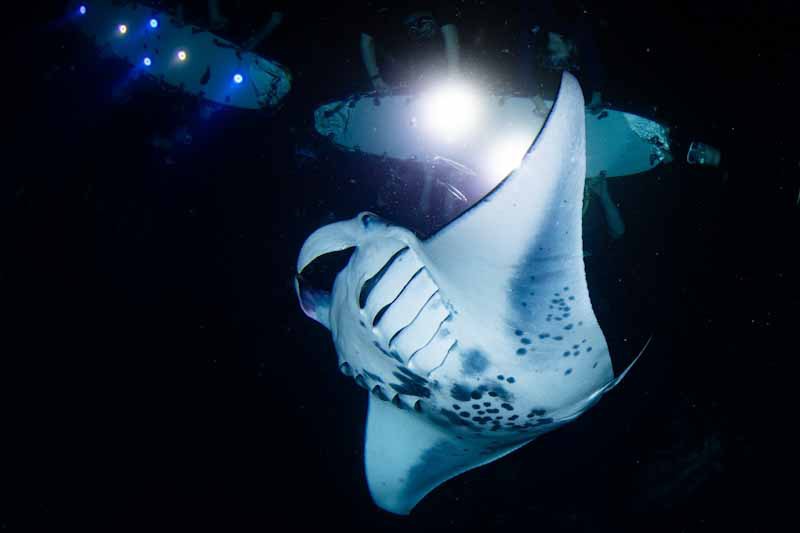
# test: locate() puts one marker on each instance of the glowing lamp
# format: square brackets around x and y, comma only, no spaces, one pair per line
[238,78]
[123,29]
[182,55]
[153,23]
[82,10]
[451,110]
[147,61]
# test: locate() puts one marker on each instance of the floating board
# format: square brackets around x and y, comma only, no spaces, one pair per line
[182,55]
[617,143]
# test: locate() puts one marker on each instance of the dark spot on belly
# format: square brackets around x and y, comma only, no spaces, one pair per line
[410,386]
[456,420]
[474,362]
[460,393]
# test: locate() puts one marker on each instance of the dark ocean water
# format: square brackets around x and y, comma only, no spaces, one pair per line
[157,372]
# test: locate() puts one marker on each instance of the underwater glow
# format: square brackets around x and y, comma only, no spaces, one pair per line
[182,55]
[82,10]
[451,110]
[123,29]
[238,78]
[153,23]
[147,61]
[507,154]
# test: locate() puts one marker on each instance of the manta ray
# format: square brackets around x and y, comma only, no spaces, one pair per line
[477,340]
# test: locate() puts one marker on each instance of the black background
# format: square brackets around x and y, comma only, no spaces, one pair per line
[157,372]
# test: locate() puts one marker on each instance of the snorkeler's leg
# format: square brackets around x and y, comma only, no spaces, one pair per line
[274,21]
[616,226]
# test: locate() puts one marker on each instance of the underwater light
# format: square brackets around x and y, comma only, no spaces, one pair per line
[82,10]
[507,154]
[238,78]
[153,23]
[452,110]
[182,55]
[123,29]
[147,61]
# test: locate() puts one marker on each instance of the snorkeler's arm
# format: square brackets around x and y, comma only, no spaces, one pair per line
[274,21]
[451,47]
[368,56]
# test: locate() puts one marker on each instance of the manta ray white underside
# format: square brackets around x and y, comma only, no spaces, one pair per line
[479,339]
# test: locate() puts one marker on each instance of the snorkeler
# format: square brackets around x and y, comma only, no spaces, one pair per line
[408,38]
[217,21]
[556,38]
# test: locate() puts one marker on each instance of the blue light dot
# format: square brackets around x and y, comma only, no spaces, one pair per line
[82,10]
[182,55]
[123,29]
[238,78]
[147,61]
[153,23]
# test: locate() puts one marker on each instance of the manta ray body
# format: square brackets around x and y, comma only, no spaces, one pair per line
[479,339]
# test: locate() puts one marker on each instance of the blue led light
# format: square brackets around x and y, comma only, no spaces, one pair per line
[123,29]
[147,61]
[238,78]
[82,10]
[153,23]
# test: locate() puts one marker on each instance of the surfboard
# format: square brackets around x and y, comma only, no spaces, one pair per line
[617,143]
[182,55]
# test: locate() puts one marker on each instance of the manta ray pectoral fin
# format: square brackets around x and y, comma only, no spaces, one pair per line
[531,220]
[596,395]
[406,456]
[614,382]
